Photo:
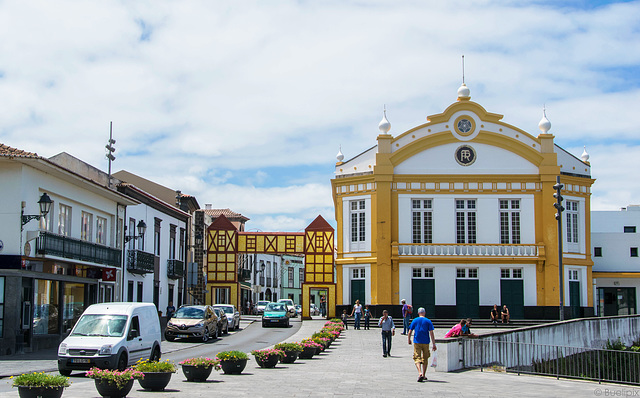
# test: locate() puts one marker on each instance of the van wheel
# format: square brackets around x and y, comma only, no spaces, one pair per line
[205,335]
[226,329]
[155,357]
[122,362]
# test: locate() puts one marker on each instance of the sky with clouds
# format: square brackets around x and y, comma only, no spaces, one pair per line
[244,104]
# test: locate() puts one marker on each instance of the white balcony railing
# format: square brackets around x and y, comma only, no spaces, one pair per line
[477,250]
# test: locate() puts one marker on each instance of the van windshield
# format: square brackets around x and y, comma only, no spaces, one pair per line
[100,325]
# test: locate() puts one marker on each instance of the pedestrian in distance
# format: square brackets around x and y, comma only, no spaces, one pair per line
[344,318]
[367,317]
[422,328]
[456,330]
[495,315]
[170,310]
[357,311]
[466,329]
[505,314]
[406,316]
[388,331]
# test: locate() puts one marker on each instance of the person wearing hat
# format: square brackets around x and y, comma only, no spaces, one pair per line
[406,316]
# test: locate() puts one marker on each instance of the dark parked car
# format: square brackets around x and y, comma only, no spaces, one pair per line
[223,324]
[194,321]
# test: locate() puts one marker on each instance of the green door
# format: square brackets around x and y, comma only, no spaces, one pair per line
[512,294]
[467,298]
[357,291]
[423,294]
[574,298]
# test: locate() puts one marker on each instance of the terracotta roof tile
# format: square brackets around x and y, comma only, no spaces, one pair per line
[215,213]
[8,151]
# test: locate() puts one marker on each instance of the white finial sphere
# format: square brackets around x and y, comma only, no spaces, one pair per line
[585,155]
[384,125]
[545,124]
[464,92]
[340,156]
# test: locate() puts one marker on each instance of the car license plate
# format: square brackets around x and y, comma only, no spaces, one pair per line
[81,360]
[182,336]
[275,320]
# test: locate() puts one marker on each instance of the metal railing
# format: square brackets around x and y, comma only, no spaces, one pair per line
[421,249]
[64,246]
[586,363]
[175,269]
[140,262]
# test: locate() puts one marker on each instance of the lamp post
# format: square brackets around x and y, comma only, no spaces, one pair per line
[141,227]
[45,205]
[558,205]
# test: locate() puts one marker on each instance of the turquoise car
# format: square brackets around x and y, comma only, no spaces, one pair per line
[275,314]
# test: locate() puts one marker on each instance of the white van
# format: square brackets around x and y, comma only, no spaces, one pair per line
[110,336]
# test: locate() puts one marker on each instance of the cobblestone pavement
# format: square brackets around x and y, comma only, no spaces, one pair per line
[354,366]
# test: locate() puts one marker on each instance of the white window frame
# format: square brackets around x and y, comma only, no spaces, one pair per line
[511,273]
[101,230]
[357,221]
[358,273]
[510,221]
[86,226]
[572,217]
[421,221]
[466,221]
[423,273]
[64,220]
[469,273]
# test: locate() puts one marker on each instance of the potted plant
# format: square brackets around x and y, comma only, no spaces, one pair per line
[114,383]
[324,335]
[42,385]
[268,358]
[291,351]
[157,374]
[199,369]
[308,349]
[232,362]
[322,341]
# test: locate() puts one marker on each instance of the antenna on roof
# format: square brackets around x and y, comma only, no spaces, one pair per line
[463,69]
[110,150]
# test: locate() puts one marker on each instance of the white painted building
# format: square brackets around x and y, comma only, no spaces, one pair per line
[154,261]
[53,266]
[616,265]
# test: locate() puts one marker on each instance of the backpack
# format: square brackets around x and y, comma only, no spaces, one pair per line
[409,309]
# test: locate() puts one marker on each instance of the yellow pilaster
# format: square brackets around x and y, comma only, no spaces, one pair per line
[382,281]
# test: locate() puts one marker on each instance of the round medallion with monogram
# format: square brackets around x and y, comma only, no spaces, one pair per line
[465,155]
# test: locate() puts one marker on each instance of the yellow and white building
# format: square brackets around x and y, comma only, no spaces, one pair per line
[457,215]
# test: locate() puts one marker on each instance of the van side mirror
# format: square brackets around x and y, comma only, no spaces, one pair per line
[133,333]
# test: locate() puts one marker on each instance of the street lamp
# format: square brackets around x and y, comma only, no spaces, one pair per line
[558,205]
[45,205]
[142,228]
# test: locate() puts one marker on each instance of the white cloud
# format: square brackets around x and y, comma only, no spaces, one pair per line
[214,88]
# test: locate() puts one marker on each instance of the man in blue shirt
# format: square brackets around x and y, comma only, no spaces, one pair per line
[423,336]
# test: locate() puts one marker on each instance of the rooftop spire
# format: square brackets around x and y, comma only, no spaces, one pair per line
[464,94]
[545,124]
[384,125]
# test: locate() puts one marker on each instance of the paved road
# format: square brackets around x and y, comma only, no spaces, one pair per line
[354,366]
[251,336]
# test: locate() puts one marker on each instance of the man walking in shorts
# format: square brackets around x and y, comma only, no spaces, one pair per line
[423,335]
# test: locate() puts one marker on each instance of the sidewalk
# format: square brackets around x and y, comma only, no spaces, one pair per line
[354,366]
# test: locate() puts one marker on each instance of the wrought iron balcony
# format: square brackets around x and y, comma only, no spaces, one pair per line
[139,262]
[244,274]
[64,246]
[467,250]
[175,269]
